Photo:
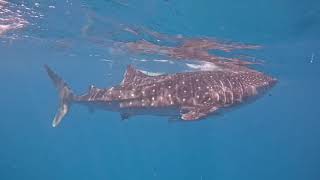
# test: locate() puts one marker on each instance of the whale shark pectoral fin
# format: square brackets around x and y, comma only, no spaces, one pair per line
[197,113]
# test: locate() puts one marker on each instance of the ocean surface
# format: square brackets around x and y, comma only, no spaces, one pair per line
[274,137]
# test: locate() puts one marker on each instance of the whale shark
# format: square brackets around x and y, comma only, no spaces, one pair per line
[188,96]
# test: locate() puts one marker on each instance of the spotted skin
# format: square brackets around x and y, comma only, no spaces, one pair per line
[196,94]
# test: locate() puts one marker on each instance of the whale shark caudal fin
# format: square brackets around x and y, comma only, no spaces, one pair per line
[66,95]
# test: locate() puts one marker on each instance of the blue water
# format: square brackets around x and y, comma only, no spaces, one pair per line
[275,137]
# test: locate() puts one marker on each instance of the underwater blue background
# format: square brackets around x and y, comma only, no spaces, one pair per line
[275,137]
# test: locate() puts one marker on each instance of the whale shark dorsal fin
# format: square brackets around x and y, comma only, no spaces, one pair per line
[131,74]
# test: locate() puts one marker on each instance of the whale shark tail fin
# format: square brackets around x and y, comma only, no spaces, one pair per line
[65,94]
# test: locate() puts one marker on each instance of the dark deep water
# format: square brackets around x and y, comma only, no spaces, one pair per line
[275,137]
